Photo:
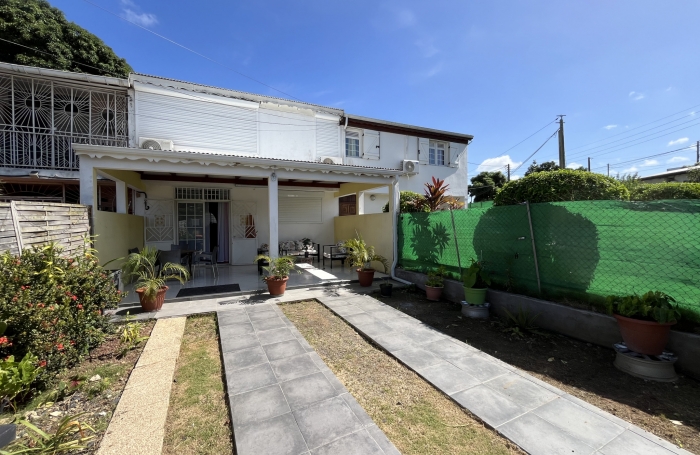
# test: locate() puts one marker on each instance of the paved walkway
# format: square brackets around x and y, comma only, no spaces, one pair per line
[536,416]
[284,400]
[138,424]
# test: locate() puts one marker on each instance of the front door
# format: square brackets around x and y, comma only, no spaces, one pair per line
[190,225]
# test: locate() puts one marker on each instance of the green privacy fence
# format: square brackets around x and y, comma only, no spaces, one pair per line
[585,250]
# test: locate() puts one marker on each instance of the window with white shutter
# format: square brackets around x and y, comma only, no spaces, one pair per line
[423,146]
[352,143]
[370,145]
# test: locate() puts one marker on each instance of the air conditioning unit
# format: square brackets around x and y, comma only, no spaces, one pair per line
[148,143]
[409,166]
[331,160]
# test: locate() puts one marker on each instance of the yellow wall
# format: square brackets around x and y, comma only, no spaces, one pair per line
[116,233]
[375,229]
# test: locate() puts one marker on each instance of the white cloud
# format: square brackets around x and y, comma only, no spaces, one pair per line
[670,87]
[427,48]
[649,163]
[435,70]
[636,96]
[678,159]
[142,19]
[679,141]
[514,177]
[574,165]
[609,127]
[629,170]
[405,18]
[497,164]
[692,113]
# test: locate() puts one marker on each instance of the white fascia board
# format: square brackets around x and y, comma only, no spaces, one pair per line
[323,116]
[181,93]
[60,74]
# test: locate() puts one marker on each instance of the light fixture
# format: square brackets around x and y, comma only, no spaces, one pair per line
[373,197]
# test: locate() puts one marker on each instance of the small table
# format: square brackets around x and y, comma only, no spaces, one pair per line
[189,254]
[305,260]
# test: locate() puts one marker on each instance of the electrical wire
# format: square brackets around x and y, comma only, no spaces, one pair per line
[533,153]
[525,139]
[190,50]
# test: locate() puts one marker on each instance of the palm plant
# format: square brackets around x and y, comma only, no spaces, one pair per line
[361,255]
[278,268]
[142,265]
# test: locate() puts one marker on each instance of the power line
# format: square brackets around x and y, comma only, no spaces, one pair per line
[649,156]
[533,153]
[190,50]
[635,128]
[524,139]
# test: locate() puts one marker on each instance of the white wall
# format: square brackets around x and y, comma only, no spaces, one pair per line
[377,205]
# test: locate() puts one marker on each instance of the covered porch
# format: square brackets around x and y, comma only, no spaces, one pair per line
[234,207]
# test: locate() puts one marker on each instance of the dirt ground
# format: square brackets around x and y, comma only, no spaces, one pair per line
[669,410]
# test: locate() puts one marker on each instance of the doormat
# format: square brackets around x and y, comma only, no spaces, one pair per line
[204,290]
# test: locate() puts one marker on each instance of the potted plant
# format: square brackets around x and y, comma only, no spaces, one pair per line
[644,320]
[278,270]
[475,281]
[307,243]
[361,256]
[385,288]
[435,284]
[150,278]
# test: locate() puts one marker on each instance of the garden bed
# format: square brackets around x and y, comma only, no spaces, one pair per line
[198,417]
[417,418]
[92,387]
[584,370]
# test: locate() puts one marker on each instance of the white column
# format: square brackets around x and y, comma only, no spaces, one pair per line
[122,197]
[88,183]
[394,210]
[360,198]
[272,199]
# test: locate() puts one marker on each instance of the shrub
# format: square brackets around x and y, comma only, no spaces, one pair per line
[659,191]
[410,201]
[53,306]
[561,185]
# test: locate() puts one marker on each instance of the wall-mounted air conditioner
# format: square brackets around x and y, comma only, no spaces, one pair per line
[148,143]
[410,166]
[331,160]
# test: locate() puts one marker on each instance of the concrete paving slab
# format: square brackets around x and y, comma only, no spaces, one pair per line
[284,349]
[276,436]
[359,412]
[448,377]
[232,317]
[479,367]
[307,390]
[326,421]
[231,344]
[244,358]
[275,336]
[361,318]
[353,444]
[416,358]
[394,341]
[250,378]
[630,442]
[382,441]
[536,435]
[260,315]
[348,310]
[449,349]
[491,407]
[268,324]
[258,405]
[293,367]
[373,328]
[236,330]
[520,391]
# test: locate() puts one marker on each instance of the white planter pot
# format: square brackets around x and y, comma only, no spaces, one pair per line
[476,311]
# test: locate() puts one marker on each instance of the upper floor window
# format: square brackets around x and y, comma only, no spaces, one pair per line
[352,143]
[436,154]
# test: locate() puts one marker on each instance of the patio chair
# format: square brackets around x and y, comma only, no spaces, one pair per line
[207,258]
[172,256]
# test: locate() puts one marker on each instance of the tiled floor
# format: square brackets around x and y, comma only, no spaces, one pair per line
[247,277]
[538,417]
[284,400]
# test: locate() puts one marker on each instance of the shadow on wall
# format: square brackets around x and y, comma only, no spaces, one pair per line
[428,240]
[566,243]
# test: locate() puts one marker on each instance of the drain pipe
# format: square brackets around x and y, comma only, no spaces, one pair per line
[394,226]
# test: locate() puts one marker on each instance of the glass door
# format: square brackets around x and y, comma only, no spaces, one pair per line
[190,225]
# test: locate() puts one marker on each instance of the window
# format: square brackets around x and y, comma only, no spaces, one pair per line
[436,155]
[352,143]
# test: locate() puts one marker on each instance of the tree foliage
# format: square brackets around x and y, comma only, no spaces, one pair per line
[543,167]
[409,201]
[561,185]
[661,191]
[485,185]
[694,174]
[38,25]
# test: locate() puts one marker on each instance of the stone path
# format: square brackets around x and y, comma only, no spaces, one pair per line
[284,400]
[536,416]
[137,426]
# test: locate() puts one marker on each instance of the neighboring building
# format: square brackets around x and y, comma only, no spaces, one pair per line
[205,166]
[672,175]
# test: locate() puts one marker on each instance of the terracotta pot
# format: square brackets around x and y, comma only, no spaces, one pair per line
[155,303]
[277,287]
[366,277]
[433,293]
[644,337]
[475,296]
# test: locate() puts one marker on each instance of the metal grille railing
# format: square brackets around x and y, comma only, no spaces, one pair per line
[581,251]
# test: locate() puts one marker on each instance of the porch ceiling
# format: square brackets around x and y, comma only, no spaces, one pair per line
[175,177]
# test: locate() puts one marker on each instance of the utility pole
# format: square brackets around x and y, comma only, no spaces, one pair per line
[608,169]
[562,152]
[697,152]
[508,169]
[589,164]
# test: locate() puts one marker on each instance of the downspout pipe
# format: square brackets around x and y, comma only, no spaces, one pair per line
[394,226]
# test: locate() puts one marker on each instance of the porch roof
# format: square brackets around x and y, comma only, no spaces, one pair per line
[207,158]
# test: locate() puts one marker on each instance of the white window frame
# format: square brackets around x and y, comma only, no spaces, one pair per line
[359,143]
[434,158]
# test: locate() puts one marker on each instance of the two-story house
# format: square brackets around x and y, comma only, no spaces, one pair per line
[203,166]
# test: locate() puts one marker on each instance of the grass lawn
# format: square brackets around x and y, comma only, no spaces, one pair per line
[198,418]
[415,416]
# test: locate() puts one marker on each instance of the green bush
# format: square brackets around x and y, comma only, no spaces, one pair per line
[660,191]
[409,201]
[561,185]
[54,306]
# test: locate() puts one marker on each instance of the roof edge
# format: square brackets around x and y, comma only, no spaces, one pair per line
[402,128]
[63,74]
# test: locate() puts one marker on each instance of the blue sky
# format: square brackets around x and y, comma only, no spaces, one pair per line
[497,70]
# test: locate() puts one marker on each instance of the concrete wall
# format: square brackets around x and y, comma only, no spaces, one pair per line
[375,230]
[116,233]
[587,326]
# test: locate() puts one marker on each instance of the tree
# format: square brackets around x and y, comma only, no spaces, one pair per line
[67,46]
[409,201]
[544,167]
[485,185]
[694,174]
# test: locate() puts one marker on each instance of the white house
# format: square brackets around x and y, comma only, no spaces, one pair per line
[199,166]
